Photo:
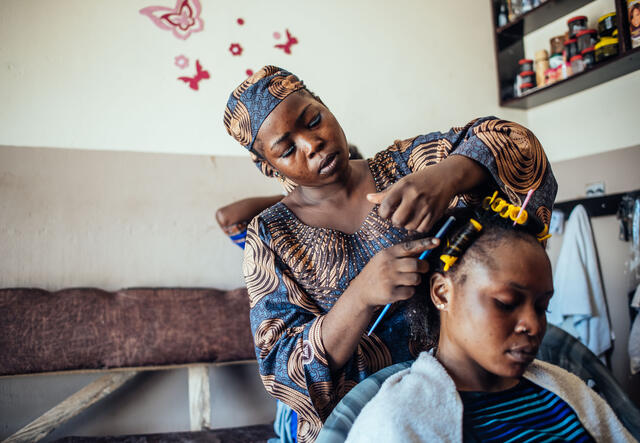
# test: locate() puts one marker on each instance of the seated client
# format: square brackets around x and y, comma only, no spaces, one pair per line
[483,319]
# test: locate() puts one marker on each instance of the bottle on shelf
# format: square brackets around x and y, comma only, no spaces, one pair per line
[503,15]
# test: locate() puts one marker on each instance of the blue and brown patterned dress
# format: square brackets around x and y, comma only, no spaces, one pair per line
[295,273]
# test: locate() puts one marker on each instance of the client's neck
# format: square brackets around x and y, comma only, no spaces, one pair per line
[466,373]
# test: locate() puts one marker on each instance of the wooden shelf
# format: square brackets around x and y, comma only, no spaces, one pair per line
[600,73]
[544,14]
[509,48]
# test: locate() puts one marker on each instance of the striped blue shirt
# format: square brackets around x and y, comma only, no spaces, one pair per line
[524,413]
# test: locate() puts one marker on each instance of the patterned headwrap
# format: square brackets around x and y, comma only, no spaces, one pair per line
[251,103]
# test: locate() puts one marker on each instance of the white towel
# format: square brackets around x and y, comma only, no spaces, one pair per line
[579,304]
[634,336]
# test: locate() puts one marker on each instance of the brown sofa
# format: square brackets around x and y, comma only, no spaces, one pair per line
[130,329]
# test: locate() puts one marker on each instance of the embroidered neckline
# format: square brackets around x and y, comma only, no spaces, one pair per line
[369,223]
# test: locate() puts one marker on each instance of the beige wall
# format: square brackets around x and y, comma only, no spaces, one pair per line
[99,75]
[619,171]
[119,219]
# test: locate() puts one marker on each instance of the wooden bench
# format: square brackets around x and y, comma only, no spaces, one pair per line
[124,333]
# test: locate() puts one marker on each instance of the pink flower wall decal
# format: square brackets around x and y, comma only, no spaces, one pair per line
[183,20]
[235,49]
[181,61]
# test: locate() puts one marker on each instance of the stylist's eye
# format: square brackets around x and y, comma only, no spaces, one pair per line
[288,151]
[315,121]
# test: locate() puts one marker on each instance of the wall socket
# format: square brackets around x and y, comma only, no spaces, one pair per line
[594,189]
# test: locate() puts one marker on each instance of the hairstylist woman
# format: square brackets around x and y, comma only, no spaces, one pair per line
[320,263]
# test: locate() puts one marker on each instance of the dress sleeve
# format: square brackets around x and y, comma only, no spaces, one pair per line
[237,232]
[285,324]
[510,153]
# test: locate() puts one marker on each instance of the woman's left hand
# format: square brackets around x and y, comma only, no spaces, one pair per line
[418,200]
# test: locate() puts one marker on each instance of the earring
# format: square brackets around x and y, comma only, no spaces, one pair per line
[276,174]
[440,306]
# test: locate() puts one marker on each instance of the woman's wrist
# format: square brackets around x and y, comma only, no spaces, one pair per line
[464,173]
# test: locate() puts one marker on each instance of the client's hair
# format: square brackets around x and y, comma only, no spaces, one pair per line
[472,238]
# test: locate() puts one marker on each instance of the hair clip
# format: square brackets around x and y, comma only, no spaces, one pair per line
[460,243]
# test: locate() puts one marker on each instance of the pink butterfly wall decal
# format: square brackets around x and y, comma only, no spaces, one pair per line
[290,42]
[183,20]
[201,74]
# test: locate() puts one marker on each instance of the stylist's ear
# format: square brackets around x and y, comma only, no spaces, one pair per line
[441,290]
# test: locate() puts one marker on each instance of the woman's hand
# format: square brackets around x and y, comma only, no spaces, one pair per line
[418,200]
[393,273]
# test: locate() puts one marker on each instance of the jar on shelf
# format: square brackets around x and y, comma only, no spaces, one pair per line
[607,24]
[577,65]
[570,48]
[555,60]
[634,22]
[587,38]
[606,48]
[503,14]
[526,87]
[527,77]
[526,64]
[541,66]
[557,44]
[576,24]
[588,57]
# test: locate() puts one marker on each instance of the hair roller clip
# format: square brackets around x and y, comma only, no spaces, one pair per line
[544,234]
[506,210]
[541,239]
[520,217]
[448,260]
[476,224]
[500,206]
[487,201]
[460,242]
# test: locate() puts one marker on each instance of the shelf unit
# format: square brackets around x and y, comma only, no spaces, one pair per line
[509,48]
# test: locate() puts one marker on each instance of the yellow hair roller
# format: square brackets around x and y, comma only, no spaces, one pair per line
[448,260]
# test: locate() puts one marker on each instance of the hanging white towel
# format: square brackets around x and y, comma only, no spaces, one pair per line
[634,336]
[579,304]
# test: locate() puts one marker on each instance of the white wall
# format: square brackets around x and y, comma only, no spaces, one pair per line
[99,75]
[599,119]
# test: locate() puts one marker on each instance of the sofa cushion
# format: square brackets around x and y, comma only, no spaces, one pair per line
[88,328]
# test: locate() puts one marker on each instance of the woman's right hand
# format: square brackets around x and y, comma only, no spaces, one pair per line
[393,273]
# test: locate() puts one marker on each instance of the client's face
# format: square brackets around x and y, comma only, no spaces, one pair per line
[497,316]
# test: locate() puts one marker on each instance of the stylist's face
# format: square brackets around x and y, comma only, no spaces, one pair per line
[303,140]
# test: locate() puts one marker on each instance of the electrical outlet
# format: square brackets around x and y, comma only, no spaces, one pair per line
[594,189]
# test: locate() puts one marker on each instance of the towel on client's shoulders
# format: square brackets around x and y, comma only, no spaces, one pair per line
[578,305]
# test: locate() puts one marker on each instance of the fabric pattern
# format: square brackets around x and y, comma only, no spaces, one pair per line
[295,273]
[237,233]
[526,412]
[252,102]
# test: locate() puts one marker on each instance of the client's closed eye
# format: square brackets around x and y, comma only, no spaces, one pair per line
[505,306]
[315,121]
